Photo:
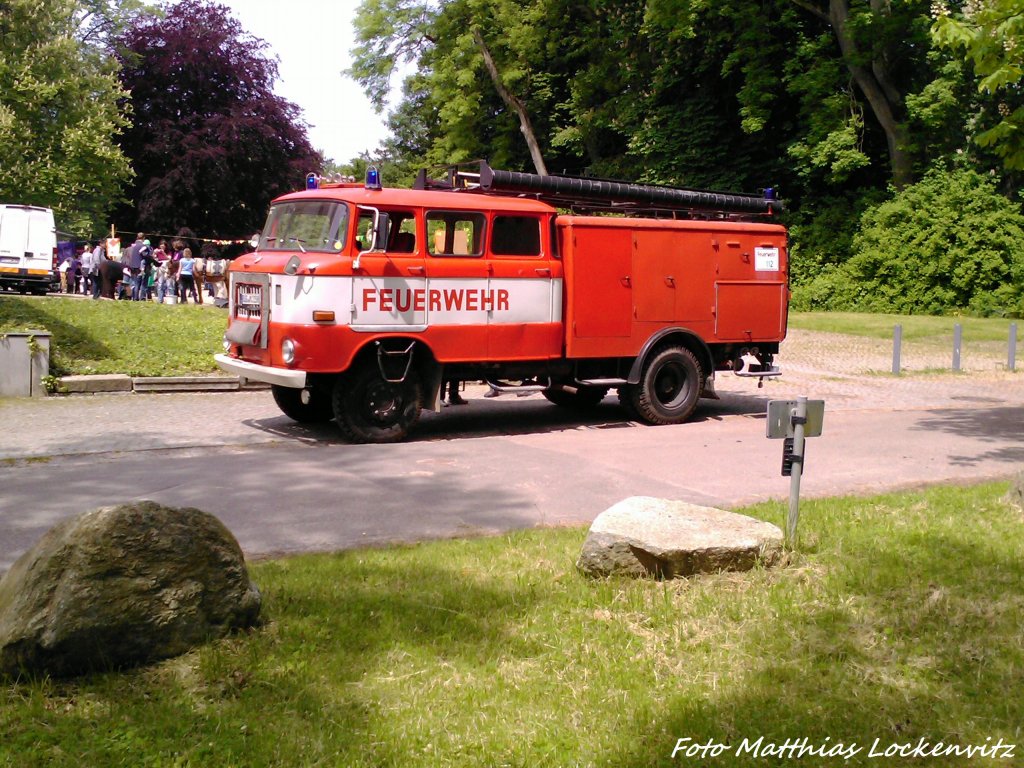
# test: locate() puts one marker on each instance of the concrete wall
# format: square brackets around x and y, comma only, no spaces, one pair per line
[24,362]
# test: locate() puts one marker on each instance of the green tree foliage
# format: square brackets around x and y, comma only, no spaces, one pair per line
[683,90]
[210,142]
[949,243]
[59,116]
[991,35]
[99,22]
[535,47]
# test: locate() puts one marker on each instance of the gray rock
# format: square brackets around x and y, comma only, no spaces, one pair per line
[120,586]
[642,536]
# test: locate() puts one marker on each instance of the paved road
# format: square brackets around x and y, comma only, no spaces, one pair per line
[490,466]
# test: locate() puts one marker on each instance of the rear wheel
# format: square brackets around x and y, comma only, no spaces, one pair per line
[582,398]
[669,388]
[371,410]
[316,410]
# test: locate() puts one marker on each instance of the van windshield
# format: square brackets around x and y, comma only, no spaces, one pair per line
[305,225]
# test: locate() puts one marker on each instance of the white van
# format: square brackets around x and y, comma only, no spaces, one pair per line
[28,248]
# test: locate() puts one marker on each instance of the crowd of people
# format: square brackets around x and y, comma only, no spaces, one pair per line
[143,273]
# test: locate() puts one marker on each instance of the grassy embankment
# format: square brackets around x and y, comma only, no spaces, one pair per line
[136,338]
[915,327]
[900,619]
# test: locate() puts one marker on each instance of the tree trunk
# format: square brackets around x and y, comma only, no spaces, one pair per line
[513,103]
[884,99]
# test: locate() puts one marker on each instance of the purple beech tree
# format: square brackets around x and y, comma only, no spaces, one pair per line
[210,142]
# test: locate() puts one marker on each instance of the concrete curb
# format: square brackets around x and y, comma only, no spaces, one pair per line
[119,382]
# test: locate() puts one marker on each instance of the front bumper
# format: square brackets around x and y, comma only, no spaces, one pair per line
[280,376]
[24,278]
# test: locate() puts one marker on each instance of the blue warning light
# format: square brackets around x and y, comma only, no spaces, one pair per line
[312,181]
[372,178]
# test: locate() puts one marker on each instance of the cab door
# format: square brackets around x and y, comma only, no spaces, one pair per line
[457,277]
[389,284]
[524,289]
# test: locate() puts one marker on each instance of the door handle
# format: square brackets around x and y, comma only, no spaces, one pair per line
[416,270]
[543,271]
[670,281]
[625,281]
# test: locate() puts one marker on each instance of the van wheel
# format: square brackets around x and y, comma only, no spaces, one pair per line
[371,410]
[583,398]
[318,410]
[669,388]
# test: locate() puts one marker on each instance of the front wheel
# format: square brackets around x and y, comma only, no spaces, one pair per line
[669,388]
[369,409]
[315,410]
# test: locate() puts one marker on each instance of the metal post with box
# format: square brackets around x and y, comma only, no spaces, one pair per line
[792,421]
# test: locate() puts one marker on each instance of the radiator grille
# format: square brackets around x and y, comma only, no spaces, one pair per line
[248,301]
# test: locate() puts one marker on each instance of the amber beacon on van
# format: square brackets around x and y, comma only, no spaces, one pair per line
[360,301]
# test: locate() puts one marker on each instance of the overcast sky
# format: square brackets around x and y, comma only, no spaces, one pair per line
[313,38]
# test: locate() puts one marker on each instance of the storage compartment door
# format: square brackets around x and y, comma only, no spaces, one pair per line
[750,311]
[657,266]
[602,283]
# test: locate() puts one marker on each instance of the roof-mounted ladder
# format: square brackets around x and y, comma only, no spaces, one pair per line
[603,195]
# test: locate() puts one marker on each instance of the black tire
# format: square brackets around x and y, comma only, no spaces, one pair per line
[369,409]
[669,388]
[317,411]
[582,399]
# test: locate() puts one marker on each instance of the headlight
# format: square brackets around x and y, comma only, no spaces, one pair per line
[288,351]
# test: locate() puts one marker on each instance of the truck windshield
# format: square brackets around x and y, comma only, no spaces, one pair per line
[306,225]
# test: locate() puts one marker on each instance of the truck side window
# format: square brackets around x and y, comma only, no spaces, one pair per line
[515,236]
[455,233]
[402,237]
[401,234]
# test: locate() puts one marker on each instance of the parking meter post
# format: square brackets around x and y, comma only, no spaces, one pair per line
[799,420]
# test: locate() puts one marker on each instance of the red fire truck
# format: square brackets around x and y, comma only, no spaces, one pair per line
[359,301]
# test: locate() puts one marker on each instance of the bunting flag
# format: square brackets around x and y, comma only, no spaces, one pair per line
[215,241]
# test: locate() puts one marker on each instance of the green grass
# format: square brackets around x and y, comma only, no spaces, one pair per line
[915,327]
[901,618]
[135,338]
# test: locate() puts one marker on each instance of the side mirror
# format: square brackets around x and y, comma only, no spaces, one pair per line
[380,231]
[254,241]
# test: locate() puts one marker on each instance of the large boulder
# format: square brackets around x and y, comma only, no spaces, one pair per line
[121,586]
[642,536]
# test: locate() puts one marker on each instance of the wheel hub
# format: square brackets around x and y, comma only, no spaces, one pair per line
[383,403]
[669,385]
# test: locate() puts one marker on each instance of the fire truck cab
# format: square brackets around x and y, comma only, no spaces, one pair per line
[360,301]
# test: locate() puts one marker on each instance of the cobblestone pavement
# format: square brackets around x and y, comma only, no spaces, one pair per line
[854,373]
